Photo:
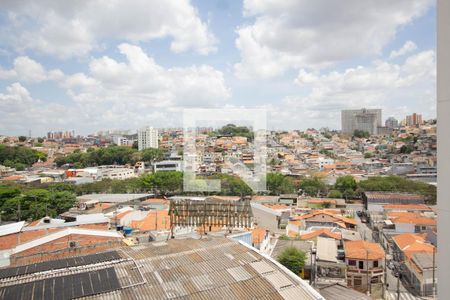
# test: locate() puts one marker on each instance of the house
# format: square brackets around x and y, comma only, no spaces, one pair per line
[339,291]
[320,218]
[322,232]
[364,264]
[419,259]
[374,201]
[329,261]
[410,222]
[271,216]
[63,243]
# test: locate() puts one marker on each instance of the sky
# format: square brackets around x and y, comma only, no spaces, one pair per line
[105,65]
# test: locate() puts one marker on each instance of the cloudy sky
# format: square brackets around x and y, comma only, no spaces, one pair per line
[97,65]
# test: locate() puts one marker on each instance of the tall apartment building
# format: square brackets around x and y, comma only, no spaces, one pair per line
[414,119]
[391,122]
[361,119]
[147,138]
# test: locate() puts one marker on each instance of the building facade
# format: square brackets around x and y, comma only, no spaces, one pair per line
[147,138]
[361,119]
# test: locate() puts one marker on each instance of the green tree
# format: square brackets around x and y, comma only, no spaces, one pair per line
[334,194]
[164,182]
[399,184]
[406,149]
[361,134]
[344,183]
[313,186]
[22,138]
[151,155]
[279,184]
[293,259]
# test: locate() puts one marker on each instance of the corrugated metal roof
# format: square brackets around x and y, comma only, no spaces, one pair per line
[11,228]
[209,268]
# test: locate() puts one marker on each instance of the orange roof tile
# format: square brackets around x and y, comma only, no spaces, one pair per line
[332,201]
[258,235]
[363,250]
[155,220]
[411,243]
[319,232]
[407,206]
[122,214]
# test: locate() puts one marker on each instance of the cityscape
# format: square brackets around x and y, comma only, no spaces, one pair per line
[311,171]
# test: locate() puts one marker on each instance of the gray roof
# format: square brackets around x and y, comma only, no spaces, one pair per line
[424,260]
[114,198]
[300,245]
[337,291]
[207,268]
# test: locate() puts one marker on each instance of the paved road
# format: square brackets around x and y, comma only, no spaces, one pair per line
[403,296]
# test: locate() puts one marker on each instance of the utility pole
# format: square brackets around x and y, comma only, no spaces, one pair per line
[399,276]
[367,271]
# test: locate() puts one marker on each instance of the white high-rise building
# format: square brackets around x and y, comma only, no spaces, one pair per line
[147,138]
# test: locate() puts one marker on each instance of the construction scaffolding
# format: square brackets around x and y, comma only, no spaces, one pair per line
[210,213]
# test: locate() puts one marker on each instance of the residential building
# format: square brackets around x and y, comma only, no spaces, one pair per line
[361,119]
[419,258]
[374,201]
[391,122]
[364,264]
[168,165]
[410,222]
[414,119]
[147,138]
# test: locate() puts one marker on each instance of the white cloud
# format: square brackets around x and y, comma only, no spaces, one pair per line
[312,34]
[74,28]
[29,70]
[144,84]
[20,112]
[408,47]
[396,88]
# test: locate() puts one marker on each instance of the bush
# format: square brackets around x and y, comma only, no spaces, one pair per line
[293,259]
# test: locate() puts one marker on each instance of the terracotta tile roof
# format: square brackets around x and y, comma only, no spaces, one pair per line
[411,243]
[293,234]
[407,206]
[122,214]
[258,235]
[403,240]
[319,232]
[329,213]
[410,218]
[332,201]
[13,178]
[155,220]
[362,250]
[156,200]
[276,206]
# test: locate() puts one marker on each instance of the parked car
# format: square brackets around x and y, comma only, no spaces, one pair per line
[390,265]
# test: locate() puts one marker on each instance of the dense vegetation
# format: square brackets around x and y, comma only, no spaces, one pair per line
[112,155]
[293,259]
[19,157]
[361,134]
[233,130]
[22,203]
[279,184]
